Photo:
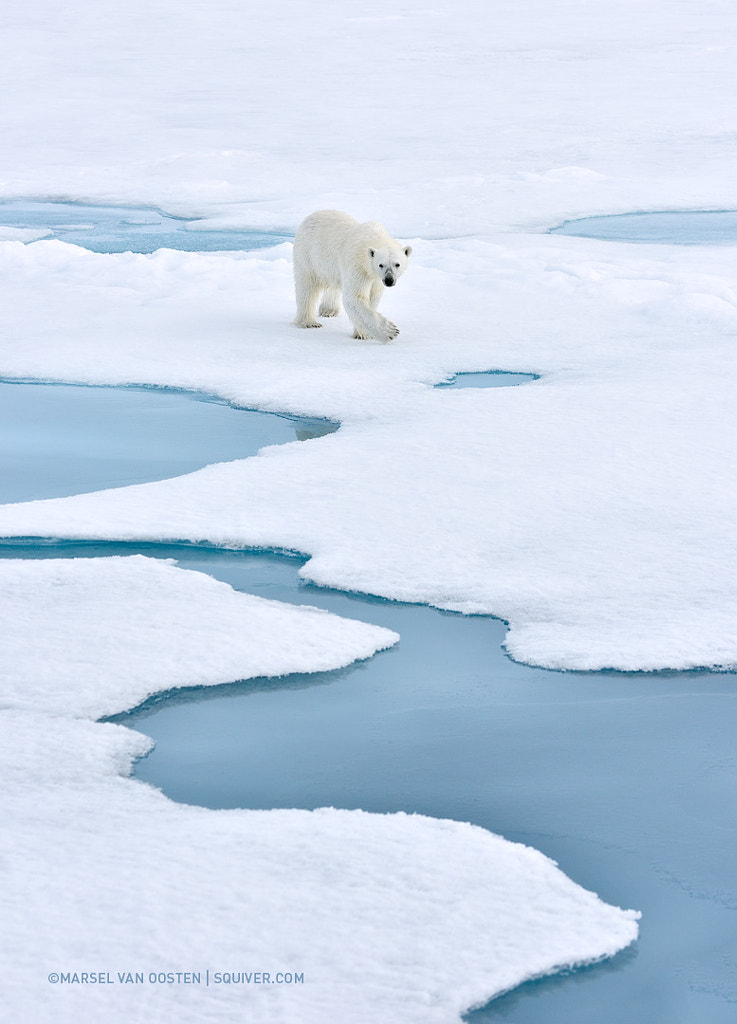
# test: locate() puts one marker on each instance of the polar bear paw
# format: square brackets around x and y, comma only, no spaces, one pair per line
[389,331]
[307,323]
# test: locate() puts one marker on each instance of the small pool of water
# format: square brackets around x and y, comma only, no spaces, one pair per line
[487,379]
[126,229]
[670,227]
[57,440]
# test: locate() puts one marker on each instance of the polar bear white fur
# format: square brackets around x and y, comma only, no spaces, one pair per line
[337,257]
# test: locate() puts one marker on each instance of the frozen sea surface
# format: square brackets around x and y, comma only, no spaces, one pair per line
[124,229]
[671,227]
[594,508]
[625,779]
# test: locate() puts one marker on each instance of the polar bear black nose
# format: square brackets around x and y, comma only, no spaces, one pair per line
[389,280]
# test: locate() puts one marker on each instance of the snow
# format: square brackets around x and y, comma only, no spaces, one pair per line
[436,120]
[591,508]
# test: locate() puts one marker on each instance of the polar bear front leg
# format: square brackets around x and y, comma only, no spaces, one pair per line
[367,323]
[377,290]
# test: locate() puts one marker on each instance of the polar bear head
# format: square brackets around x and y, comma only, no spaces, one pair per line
[389,264]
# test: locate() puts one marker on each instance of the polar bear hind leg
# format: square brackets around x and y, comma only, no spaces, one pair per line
[307,291]
[330,305]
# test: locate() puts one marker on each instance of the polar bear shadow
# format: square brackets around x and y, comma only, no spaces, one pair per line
[337,259]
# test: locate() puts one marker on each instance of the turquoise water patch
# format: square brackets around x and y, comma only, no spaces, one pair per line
[670,227]
[487,379]
[57,440]
[127,229]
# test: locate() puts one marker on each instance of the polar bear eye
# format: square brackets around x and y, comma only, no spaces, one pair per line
[396,264]
[381,266]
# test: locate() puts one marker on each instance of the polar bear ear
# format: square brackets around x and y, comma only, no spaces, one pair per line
[408,251]
[372,253]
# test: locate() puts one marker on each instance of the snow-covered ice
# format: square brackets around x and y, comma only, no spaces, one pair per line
[434,120]
[591,509]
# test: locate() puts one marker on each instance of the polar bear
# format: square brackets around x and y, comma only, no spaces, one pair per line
[338,257]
